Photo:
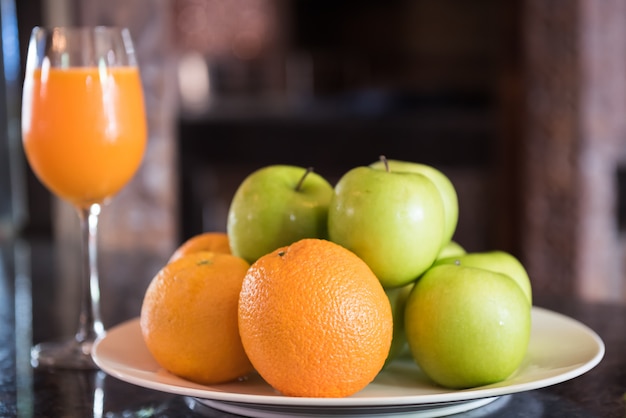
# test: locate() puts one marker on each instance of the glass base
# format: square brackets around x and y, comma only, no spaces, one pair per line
[68,354]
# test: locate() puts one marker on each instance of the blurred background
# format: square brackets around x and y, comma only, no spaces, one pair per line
[521,103]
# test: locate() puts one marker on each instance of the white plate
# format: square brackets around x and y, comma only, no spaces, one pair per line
[560,349]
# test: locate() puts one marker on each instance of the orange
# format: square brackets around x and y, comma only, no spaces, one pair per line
[189,318]
[314,320]
[207,241]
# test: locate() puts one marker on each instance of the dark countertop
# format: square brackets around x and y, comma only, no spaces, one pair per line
[29,312]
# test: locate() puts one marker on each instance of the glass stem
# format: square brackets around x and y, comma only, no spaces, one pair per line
[90,325]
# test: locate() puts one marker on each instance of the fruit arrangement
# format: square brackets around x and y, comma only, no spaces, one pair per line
[317,288]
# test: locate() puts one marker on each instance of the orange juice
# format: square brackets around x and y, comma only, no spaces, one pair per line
[84,130]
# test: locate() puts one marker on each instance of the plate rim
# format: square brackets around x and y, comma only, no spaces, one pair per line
[421,410]
[210,392]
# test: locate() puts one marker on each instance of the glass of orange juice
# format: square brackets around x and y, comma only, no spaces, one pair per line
[84,134]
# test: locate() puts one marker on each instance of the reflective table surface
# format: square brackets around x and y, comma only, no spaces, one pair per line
[38,301]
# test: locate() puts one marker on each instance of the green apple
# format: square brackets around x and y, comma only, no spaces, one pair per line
[276,206]
[498,261]
[466,326]
[442,182]
[451,249]
[397,299]
[394,221]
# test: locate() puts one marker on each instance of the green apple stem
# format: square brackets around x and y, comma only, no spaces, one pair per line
[306,173]
[384,160]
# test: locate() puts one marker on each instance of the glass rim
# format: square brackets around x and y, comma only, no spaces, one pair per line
[80,28]
[59,46]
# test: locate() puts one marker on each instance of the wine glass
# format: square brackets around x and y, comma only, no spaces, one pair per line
[84,134]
